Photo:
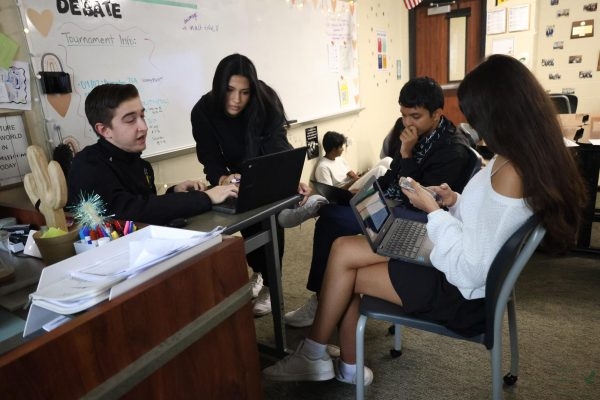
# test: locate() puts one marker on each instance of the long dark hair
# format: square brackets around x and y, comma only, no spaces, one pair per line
[264,103]
[515,117]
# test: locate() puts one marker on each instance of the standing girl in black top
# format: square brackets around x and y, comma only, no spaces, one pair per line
[240,118]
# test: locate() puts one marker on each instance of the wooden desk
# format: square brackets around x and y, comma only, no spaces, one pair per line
[234,223]
[155,341]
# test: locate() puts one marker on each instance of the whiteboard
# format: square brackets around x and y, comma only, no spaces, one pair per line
[305,50]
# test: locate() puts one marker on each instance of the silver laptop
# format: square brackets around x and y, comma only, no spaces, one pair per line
[390,236]
[266,179]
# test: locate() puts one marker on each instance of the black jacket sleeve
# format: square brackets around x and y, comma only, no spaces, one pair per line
[127,188]
[274,138]
[208,150]
[449,163]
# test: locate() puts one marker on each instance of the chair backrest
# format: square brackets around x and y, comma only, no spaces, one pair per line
[474,166]
[477,162]
[564,103]
[504,271]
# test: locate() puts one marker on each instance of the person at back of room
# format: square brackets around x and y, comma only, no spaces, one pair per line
[114,169]
[431,151]
[332,169]
[241,118]
[533,173]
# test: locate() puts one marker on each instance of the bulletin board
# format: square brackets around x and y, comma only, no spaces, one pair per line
[305,50]
[13,148]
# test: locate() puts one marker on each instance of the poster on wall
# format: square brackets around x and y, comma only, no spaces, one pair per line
[15,86]
[582,29]
[504,46]
[13,147]
[312,142]
[518,18]
[382,51]
[496,22]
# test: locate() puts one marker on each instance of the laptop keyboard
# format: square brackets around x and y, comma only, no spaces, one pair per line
[406,239]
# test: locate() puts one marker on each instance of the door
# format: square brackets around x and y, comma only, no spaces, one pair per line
[447,45]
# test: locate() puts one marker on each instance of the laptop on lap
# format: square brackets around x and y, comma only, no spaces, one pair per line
[388,235]
[266,179]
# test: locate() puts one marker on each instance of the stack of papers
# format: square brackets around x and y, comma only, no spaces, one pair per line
[90,283]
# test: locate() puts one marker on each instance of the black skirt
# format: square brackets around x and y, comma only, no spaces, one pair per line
[427,294]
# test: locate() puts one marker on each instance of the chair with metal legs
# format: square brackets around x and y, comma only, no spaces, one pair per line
[501,279]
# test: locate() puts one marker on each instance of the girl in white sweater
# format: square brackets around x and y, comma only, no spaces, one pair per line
[532,173]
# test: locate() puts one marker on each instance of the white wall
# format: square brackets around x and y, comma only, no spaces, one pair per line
[379,90]
[586,90]
[534,45]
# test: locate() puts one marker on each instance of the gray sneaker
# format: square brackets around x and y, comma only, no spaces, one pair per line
[291,217]
[298,367]
[303,316]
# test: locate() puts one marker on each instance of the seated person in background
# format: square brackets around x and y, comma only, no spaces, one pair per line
[494,204]
[333,169]
[391,143]
[114,169]
[432,151]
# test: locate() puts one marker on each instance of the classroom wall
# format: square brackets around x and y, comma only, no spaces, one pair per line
[379,90]
[11,26]
[535,45]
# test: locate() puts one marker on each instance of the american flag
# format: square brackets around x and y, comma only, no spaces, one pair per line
[410,4]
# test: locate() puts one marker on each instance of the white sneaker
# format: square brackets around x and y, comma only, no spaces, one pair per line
[298,367]
[351,379]
[257,283]
[303,316]
[291,217]
[262,303]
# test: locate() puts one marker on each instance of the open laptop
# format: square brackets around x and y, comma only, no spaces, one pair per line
[390,236]
[333,193]
[266,179]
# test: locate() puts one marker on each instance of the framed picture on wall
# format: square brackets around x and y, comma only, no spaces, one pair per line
[582,29]
[518,18]
[496,21]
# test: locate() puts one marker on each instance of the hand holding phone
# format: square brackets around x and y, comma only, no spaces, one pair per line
[405,184]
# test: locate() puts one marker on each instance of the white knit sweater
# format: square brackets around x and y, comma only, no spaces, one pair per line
[467,238]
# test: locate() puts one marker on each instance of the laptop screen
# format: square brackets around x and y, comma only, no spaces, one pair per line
[373,212]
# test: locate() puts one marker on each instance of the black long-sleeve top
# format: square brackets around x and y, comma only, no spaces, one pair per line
[224,142]
[125,182]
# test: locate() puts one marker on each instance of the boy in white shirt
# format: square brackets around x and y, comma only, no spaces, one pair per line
[333,169]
